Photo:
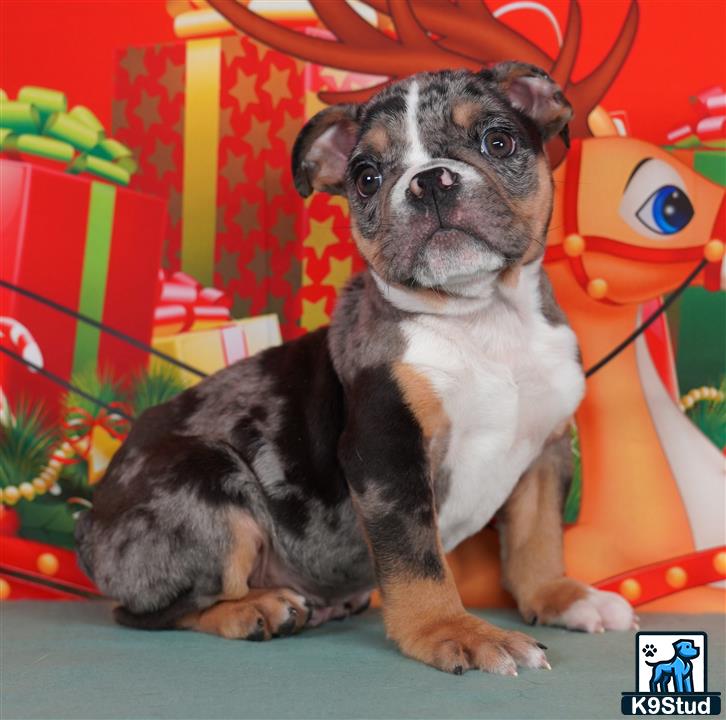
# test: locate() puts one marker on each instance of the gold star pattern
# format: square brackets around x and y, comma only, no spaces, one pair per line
[227,265]
[147,110]
[162,158]
[225,122]
[233,169]
[258,135]
[119,121]
[314,314]
[260,263]
[174,204]
[246,218]
[284,227]
[306,279]
[340,271]
[293,275]
[321,236]
[288,131]
[313,104]
[231,50]
[243,89]
[178,127]
[272,181]
[278,84]
[276,305]
[338,201]
[133,63]
[172,79]
[241,306]
[221,223]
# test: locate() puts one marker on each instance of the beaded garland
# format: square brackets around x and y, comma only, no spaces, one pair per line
[43,482]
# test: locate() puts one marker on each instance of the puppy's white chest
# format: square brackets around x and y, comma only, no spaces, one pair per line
[505,380]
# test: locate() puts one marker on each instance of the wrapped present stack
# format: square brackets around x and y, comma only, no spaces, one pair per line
[211,120]
[72,235]
[193,324]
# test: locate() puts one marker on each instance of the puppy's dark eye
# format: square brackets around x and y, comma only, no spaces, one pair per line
[498,144]
[367,181]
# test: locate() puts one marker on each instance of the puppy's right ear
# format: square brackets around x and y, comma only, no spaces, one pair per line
[321,151]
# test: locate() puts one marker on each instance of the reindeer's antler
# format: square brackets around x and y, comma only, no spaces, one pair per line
[434,34]
[359,47]
[587,93]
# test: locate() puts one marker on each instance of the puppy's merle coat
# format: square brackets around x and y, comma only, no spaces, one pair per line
[280,491]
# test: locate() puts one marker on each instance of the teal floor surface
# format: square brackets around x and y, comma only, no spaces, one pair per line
[67,660]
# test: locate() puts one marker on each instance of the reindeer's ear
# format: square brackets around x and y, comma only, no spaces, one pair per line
[321,151]
[531,90]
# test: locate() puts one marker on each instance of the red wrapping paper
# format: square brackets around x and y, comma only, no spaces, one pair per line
[43,245]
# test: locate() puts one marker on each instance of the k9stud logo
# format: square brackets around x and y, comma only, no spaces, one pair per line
[671,676]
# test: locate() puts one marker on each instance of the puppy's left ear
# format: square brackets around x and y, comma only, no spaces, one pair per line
[321,151]
[531,90]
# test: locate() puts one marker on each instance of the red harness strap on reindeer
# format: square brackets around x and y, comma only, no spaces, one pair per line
[575,245]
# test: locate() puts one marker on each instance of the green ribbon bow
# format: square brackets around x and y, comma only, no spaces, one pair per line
[39,123]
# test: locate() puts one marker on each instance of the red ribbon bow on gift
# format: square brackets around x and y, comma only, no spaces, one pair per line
[96,438]
[184,303]
[710,106]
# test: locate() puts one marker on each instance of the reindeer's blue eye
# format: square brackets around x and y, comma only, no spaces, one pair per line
[666,211]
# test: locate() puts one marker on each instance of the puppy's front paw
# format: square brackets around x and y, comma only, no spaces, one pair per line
[576,606]
[465,643]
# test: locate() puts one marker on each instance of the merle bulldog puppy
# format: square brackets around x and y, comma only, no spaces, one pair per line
[280,491]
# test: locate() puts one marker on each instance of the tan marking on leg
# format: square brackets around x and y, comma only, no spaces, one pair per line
[247,543]
[428,622]
[531,533]
[422,399]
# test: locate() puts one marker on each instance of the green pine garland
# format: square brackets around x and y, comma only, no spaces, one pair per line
[158,385]
[710,418]
[25,445]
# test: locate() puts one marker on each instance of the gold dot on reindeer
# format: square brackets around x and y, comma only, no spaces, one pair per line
[713,250]
[4,589]
[597,288]
[27,490]
[719,562]
[630,589]
[676,577]
[574,245]
[47,564]
[11,495]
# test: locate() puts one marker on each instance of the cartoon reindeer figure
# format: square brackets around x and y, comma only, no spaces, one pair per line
[630,222]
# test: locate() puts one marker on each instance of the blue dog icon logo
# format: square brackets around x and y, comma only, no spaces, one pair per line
[671,675]
[676,672]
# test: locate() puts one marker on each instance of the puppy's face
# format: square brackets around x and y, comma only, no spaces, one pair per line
[445,172]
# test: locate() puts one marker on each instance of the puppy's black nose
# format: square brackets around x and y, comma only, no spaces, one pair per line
[433,180]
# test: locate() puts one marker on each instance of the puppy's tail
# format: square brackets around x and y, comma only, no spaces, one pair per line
[166,618]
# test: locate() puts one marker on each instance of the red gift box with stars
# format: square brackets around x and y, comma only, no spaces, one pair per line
[212,122]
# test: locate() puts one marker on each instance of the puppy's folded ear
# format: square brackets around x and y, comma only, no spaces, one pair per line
[531,90]
[321,151]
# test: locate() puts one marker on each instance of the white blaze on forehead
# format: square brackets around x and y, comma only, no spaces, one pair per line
[415,153]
